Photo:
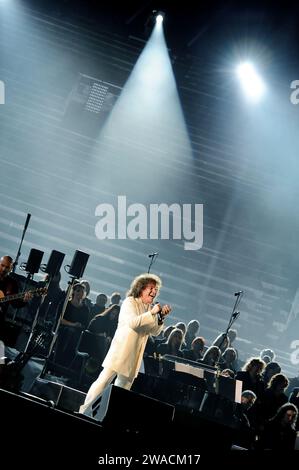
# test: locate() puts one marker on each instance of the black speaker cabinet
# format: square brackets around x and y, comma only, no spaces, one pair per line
[34,261]
[130,411]
[78,264]
[54,263]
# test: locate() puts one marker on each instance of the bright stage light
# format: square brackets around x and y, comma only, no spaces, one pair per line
[251,82]
[159,19]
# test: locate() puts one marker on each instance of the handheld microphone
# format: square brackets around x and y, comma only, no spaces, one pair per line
[159,315]
[152,255]
[239,293]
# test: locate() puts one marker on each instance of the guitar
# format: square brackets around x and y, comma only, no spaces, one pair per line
[8,298]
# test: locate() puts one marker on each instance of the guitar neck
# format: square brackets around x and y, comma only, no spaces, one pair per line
[8,298]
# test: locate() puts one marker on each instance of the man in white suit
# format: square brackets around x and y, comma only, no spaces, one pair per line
[138,319]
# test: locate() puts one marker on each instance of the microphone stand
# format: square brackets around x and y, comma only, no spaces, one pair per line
[153,259]
[55,332]
[233,317]
[15,264]
[35,320]
[23,289]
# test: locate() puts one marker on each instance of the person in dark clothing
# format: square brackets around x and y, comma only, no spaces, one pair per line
[211,356]
[106,322]
[280,433]
[251,376]
[47,309]
[271,369]
[222,342]
[9,286]
[115,299]
[195,353]
[100,305]
[14,375]
[74,321]
[86,300]
[228,359]
[273,398]
[191,332]
[244,435]
[173,344]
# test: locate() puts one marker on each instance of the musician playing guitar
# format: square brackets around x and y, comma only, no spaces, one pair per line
[9,286]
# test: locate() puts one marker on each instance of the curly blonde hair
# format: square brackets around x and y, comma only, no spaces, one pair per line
[140,282]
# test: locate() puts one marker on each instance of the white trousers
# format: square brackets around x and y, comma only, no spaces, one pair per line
[99,385]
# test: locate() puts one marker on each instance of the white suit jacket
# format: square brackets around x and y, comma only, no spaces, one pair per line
[135,324]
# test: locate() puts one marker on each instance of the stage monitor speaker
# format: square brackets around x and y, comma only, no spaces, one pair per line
[64,398]
[78,264]
[130,411]
[34,261]
[54,263]
[177,389]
